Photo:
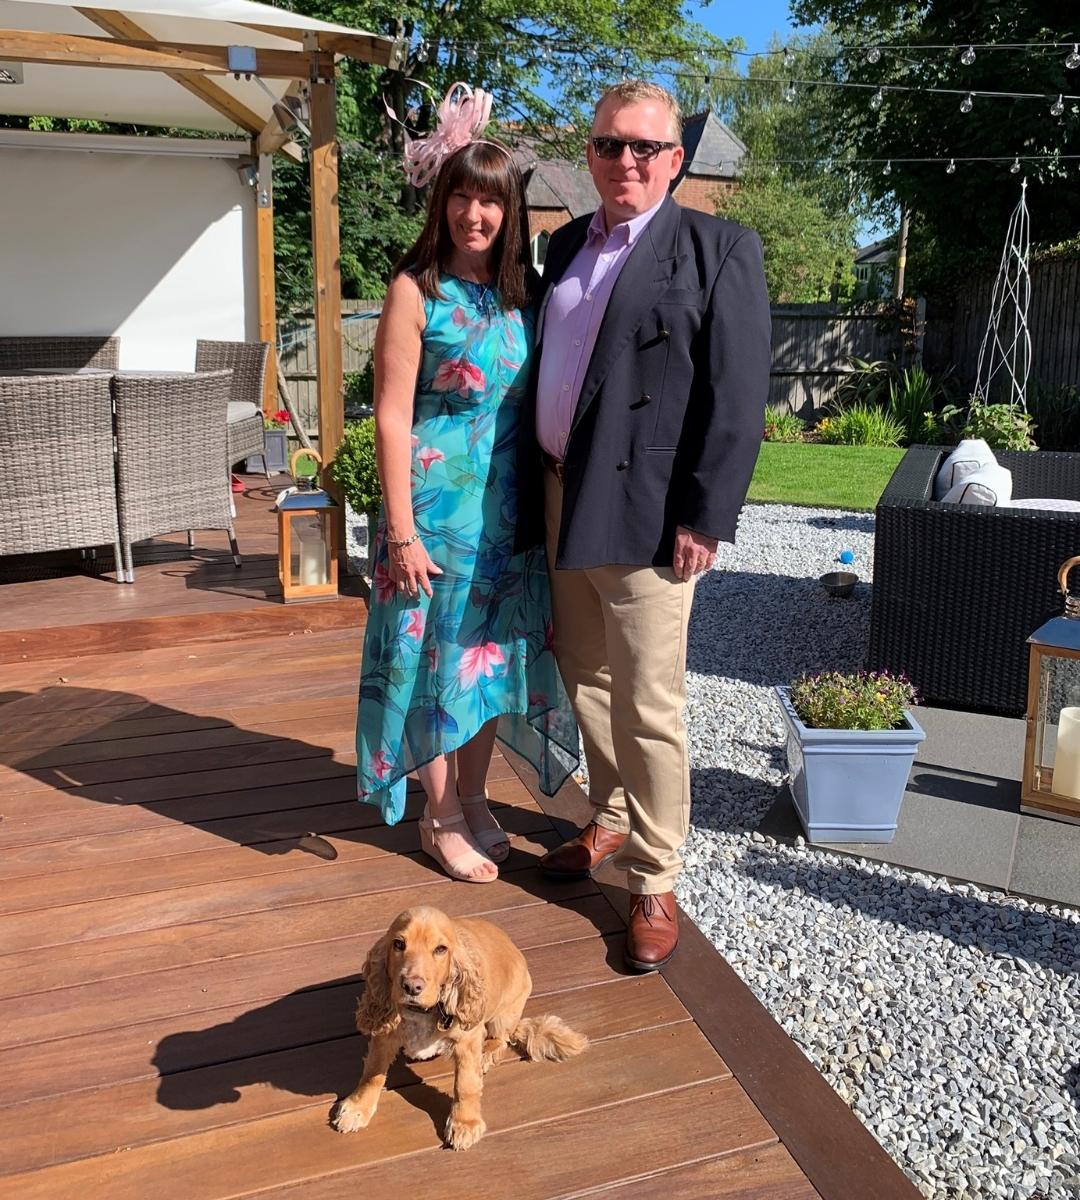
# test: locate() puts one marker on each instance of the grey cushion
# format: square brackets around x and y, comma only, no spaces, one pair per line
[241,410]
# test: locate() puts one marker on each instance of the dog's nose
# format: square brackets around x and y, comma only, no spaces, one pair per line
[412,986]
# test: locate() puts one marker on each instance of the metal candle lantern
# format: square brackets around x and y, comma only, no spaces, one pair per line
[307,539]
[1051,782]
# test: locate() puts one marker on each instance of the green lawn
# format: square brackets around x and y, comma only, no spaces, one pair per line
[820,476]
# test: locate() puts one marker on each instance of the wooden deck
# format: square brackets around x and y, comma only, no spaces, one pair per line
[189,891]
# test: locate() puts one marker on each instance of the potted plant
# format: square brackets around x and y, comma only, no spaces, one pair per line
[275,427]
[850,744]
[354,470]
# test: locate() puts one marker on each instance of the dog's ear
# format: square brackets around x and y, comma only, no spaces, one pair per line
[463,992]
[376,1013]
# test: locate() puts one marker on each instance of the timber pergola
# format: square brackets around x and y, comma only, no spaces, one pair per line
[232,66]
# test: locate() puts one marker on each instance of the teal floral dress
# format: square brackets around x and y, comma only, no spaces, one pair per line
[435,670]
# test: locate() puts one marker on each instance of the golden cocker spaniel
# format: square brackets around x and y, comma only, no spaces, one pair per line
[435,985]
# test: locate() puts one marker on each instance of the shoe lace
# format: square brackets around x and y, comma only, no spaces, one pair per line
[648,906]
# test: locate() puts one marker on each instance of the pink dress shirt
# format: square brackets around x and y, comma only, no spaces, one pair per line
[572,320]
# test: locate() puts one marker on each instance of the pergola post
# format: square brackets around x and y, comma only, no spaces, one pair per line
[326,251]
[264,252]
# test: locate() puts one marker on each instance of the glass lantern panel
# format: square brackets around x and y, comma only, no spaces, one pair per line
[1057,733]
[309,558]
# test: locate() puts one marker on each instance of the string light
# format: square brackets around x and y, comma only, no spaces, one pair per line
[1015,168]
[789,58]
[1073,61]
[967,57]
[1058,107]
[968,103]
[877,99]
[951,168]
[422,52]
[887,168]
[789,93]
[873,55]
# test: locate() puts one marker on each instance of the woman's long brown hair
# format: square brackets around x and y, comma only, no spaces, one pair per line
[487,169]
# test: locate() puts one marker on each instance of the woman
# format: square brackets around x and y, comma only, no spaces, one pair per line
[458,642]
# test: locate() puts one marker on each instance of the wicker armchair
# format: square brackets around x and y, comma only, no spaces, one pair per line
[17,353]
[958,588]
[57,489]
[171,468]
[247,360]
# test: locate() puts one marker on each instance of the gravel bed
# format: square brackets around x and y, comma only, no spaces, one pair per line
[947,1016]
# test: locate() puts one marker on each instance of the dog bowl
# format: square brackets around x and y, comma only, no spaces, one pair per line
[839,583]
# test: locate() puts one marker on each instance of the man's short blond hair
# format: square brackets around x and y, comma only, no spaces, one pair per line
[637,91]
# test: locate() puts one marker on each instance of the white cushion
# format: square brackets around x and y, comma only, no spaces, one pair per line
[240,410]
[1050,503]
[988,485]
[969,456]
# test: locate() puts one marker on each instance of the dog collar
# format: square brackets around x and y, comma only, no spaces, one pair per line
[443,1019]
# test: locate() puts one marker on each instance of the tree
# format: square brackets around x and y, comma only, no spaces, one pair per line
[958,219]
[808,253]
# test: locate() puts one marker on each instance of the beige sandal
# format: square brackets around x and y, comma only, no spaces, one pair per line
[456,868]
[494,842]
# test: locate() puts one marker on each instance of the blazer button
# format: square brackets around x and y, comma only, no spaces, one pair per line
[642,400]
[623,465]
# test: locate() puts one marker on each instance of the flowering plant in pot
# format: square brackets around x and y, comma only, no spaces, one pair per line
[851,740]
[276,440]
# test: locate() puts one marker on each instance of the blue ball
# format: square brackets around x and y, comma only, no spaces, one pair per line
[847,556]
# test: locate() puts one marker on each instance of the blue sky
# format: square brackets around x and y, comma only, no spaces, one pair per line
[753,20]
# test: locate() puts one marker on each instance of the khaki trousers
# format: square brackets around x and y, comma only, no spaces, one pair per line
[620,641]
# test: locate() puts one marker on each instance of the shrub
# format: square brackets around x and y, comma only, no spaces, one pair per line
[860,425]
[1001,426]
[360,390]
[858,700]
[909,395]
[783,426]
[354,469]
[1056,413]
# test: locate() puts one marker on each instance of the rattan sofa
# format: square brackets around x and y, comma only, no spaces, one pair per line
[958,588]
[247,361]
[57,484]
[36,353]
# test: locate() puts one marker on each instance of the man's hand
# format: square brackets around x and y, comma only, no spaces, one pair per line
[694,553]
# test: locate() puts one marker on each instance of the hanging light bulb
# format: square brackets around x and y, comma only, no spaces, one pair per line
[1058,107]
[1015,168]
[622,59]
[422,52]
[887,168]
[951,168]
[789,93]
[1073,61]
[877,99]
[968,56]
[873,55]
[471,56]
[789,58]
[968,103]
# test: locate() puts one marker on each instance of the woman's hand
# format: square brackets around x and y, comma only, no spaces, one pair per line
[411,569]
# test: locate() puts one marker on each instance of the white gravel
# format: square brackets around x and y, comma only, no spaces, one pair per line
[947,1016]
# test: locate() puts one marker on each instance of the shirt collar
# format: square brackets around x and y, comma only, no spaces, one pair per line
[633,228]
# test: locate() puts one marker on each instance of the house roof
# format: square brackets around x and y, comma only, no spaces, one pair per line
[152,97]
[881,251]
[711,148]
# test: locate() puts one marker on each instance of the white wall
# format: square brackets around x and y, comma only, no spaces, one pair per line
[157,248]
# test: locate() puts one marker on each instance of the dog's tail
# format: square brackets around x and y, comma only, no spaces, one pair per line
[547,1037]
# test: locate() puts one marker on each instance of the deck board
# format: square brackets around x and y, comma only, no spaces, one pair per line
[188,890]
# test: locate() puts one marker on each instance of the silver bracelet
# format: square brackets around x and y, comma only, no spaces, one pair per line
[405,542]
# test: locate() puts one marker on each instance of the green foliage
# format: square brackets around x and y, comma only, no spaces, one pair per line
[847,477]
[354,468]
[808,254]
[958,220]
[859,700]
[1001,426]
[909,395]
[360,388]
[1056,413]
[860,425]
[783,426]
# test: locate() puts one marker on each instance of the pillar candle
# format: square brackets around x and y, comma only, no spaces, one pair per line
[1067,754]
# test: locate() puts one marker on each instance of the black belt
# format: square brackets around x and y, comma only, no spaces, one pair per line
[555,465]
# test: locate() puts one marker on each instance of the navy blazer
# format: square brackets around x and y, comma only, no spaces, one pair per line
[670,416]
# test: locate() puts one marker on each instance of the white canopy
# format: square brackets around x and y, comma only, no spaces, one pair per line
[208,100]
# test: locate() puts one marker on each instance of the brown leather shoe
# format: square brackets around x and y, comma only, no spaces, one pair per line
[581,856]
[653,933]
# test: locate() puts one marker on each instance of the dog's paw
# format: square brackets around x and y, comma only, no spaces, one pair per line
[348,1116]
[463,1132]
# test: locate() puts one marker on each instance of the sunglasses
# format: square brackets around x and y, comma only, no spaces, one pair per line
[643,149]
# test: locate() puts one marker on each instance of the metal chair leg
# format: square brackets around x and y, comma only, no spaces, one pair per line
[191,539]
[234,547]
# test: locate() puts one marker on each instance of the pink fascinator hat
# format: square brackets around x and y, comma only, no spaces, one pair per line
[459,120]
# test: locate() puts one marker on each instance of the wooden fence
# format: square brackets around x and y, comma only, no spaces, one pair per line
[953,337]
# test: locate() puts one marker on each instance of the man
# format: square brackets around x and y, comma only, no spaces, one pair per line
[653,348]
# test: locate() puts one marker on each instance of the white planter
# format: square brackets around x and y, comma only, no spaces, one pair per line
[847,784]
